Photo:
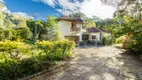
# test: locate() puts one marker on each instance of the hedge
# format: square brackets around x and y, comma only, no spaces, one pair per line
[18,60]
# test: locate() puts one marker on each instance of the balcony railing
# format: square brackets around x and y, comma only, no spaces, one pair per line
[75,29]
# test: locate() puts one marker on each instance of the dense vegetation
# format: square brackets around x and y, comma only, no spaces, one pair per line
[126,27]
[18,60]
[29,46]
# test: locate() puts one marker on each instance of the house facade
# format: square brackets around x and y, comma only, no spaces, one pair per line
[72,28]
[97,34]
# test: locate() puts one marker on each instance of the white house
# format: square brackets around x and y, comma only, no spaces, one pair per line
[73,28]
[97,34]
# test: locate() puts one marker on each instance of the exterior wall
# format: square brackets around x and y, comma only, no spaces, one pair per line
[95,34]
[79,25]
[99,36]
[64,28]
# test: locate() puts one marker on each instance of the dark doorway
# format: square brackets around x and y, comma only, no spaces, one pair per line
[85,37]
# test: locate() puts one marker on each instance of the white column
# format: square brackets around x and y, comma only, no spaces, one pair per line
[80,35]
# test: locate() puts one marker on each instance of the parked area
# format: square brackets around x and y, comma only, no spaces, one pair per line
[98,63]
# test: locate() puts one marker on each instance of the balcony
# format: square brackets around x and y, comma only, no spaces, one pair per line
[75,29]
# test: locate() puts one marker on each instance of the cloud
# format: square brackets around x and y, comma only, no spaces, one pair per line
[49,2]
[22,14]
[2,1]
[88,7]
[17,14]
[95,7]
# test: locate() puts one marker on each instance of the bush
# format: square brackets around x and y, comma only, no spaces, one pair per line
[82,43]
[1,35]
[91,42]
[5,34]
[138,43]
[112,41]
[11,69]
[13,66]
[21,33]
[13,49]
[120,39]
[56,50]
[134,42]
[105,41]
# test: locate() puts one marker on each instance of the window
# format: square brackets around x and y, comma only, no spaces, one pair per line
[73,26]
[93,37]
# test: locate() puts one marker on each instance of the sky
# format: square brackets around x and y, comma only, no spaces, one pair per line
[39,9]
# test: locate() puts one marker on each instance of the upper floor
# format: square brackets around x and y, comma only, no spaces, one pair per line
[70,24]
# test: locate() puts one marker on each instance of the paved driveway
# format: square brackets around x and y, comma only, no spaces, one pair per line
[98,63]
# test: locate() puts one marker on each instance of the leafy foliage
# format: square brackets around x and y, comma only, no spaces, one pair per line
[50,30]
[21,33]
[19,57]
[44,30]
[18,60]
[129,17]
[13,49]
[56,50]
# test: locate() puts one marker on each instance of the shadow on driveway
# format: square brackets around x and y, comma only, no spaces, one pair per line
[98,63]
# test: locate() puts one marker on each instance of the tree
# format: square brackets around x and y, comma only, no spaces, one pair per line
[90,23]
[22,33]
[50,31]
[35,28]
[8,24]
[130,11]
[96,19]
[2,17]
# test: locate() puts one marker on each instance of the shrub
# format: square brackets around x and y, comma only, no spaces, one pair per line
[134,42]
[82,43]
[13,49]
[99,43]
[56,50]
[105,41]
[91,42]
[21,33]
[121,39]
[8,34]
[5,34]
[1,35]
[66,46]
[118,40]
[13,67]
[112,41]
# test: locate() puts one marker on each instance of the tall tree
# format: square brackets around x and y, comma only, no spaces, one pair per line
[90,23]
[35,27]
[50,30]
